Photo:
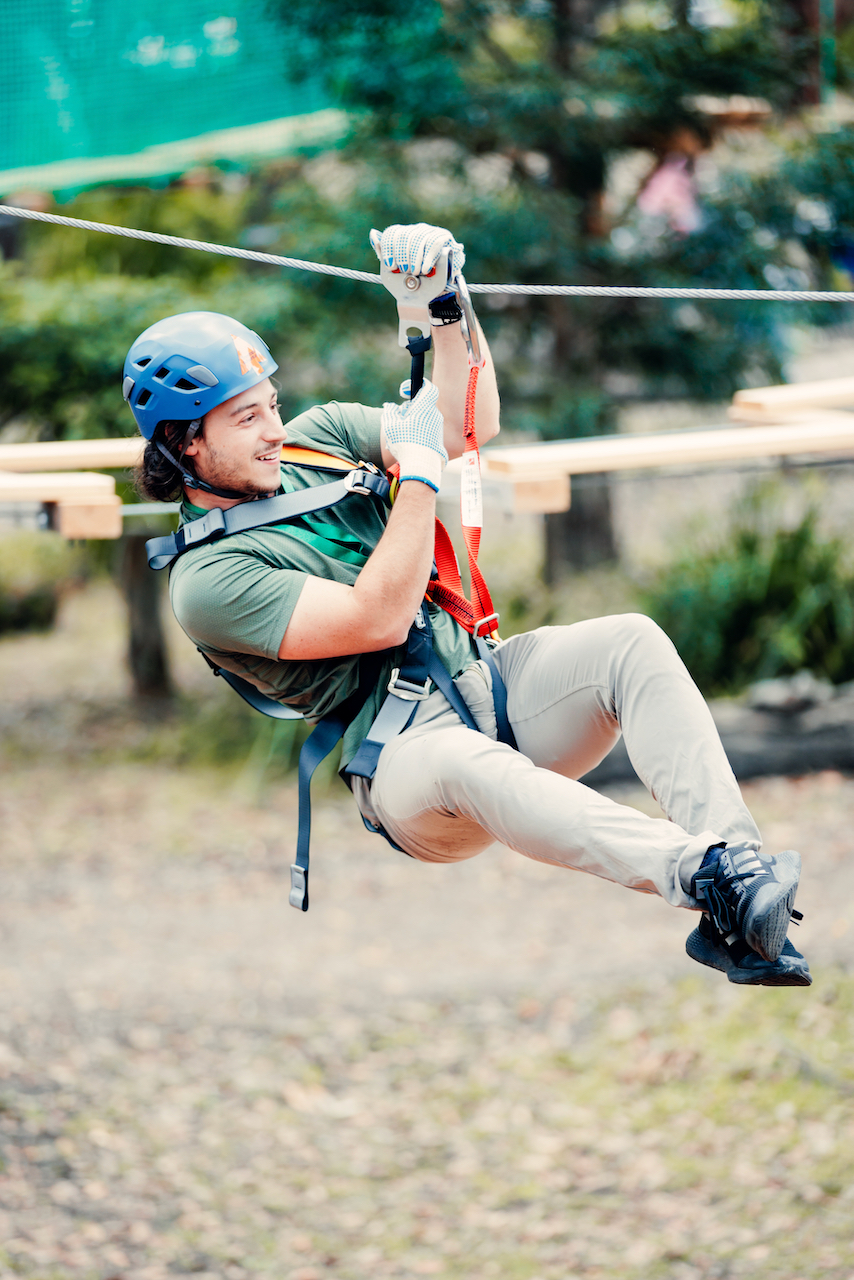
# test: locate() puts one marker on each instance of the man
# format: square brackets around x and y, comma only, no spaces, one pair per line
[316,613]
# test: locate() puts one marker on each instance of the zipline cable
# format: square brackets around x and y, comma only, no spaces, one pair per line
[547,290]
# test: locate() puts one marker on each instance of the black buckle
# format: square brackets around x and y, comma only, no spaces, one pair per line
[206,529]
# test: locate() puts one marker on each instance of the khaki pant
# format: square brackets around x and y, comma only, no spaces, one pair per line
[444,793]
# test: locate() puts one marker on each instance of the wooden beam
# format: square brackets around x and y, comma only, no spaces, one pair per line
[541,496]
[832,434]
[90,519]
[72,455]
[831,393]
[80,486]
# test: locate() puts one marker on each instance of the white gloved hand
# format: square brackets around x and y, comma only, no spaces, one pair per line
[415,249]
[413,433]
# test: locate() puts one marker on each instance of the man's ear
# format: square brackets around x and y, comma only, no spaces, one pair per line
[190,443]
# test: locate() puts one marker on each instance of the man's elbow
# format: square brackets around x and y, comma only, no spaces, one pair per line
[490,430]
[383,633]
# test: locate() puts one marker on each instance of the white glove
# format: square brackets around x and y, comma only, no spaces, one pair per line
[413,433]
[415,249]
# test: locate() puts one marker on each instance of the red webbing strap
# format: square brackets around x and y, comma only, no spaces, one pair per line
[447,590]
[471,512]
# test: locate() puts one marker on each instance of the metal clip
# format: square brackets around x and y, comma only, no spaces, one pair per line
[490,617]
[468,324]
[414,293]
[407,689]
[298,896]
[355,484]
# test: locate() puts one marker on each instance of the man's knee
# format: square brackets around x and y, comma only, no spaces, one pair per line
[638,629]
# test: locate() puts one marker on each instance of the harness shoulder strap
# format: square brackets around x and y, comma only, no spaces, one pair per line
[222,522]
[296,455]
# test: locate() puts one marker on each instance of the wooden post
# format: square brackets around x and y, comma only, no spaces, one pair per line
[582,536]
[147,655]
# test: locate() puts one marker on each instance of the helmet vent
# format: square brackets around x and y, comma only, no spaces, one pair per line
[202,374]
[143,397]
[183,385]
[161,372]
[140,364]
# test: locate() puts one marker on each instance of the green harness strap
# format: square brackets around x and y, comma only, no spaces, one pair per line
[346,548]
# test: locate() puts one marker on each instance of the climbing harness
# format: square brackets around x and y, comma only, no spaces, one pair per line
[369,277]
[421,669]
[409,684]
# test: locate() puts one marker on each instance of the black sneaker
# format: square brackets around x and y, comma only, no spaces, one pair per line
[748,894]
[734,957]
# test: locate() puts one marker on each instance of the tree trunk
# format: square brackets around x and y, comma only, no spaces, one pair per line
[582,537]
[147,657]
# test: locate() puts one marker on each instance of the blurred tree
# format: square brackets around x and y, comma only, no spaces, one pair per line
[563,140]
[521,123]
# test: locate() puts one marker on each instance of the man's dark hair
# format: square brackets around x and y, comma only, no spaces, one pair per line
[156,478]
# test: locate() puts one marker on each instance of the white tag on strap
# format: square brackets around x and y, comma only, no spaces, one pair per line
[471,496]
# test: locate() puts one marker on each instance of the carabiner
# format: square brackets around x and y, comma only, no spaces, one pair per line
[468,324]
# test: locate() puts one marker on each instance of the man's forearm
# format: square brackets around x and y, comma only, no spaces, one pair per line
[392,584]
[451,374]
[332,619]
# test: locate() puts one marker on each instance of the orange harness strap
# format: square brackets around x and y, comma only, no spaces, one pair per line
[313,458]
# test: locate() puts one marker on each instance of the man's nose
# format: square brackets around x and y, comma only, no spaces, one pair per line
[273,426]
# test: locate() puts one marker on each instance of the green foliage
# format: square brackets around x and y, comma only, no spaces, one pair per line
[70,308]
[767,602]
[504,120]
[34,567]
[529,108]
[63,342]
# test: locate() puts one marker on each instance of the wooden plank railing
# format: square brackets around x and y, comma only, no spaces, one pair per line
[802,419]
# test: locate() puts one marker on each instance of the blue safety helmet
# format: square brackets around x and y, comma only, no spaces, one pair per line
[184,366]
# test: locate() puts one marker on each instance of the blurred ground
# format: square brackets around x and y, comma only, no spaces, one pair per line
[494,1069]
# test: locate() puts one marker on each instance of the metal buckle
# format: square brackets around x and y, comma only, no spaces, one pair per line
[299,888]
[211,526]
[490,617]
[407,689]
[353,485]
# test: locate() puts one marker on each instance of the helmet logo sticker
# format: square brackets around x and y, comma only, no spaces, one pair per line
[250,357]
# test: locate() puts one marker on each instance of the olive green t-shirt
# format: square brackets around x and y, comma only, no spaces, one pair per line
[234,598]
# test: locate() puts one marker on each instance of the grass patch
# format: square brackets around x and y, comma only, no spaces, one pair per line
[701,1131]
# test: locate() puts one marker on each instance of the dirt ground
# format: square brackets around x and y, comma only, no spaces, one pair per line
[494,1069]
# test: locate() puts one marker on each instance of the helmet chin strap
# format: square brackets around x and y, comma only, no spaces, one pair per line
[188,479]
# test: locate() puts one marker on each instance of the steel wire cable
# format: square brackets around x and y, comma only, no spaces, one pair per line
[347,273]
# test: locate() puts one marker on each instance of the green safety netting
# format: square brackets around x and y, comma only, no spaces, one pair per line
[91,78]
